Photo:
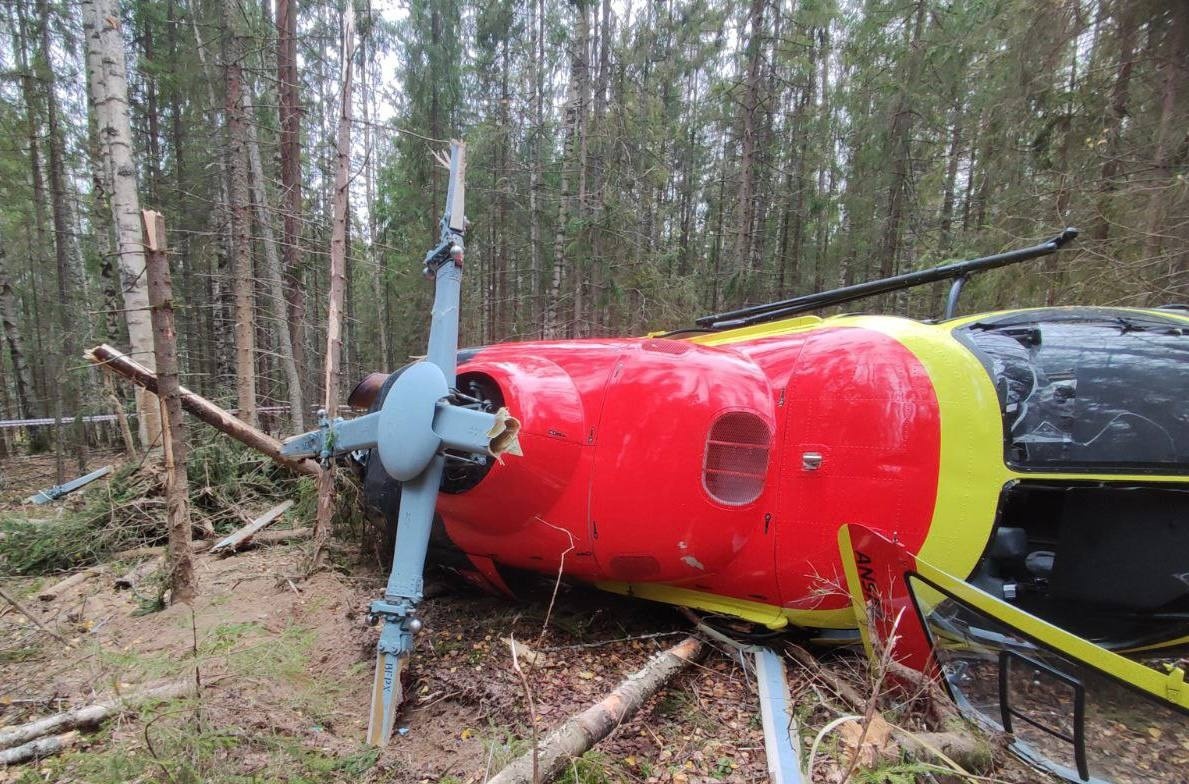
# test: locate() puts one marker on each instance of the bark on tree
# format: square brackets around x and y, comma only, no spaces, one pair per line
[581,732]
[535,179]
[281,326]
[1125,13]
[200,407]
[338,260]
[572,123]
[181,569]
[900,147]
[241,236]
[745,207]
[1175,71]
[290,151]
[11,327]
[107,77]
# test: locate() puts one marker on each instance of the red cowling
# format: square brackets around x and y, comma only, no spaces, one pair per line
[652,460]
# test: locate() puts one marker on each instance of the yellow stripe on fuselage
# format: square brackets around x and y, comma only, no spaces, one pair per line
[971,472]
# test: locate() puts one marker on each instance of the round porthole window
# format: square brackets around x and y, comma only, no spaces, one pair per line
[736,458]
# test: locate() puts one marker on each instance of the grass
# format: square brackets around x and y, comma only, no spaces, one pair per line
[178,747]
[180,743]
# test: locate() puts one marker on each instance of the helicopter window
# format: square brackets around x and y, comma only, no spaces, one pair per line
[1104,389]
[736,458]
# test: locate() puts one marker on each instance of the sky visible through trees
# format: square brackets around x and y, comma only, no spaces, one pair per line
[632,165]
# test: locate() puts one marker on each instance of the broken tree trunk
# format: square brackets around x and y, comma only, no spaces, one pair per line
[182,587]
[581,732]
[235,540]
[338,266]
[90,715]
[120,364]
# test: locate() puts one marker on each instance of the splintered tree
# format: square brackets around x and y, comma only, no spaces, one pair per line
[182,585]
[338,262]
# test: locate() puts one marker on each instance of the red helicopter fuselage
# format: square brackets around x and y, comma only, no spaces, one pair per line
[1024,451]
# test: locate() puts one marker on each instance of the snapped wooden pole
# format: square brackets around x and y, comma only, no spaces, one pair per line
[182,587]
[120,364]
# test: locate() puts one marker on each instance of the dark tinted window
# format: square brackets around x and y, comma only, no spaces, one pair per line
[1094,389]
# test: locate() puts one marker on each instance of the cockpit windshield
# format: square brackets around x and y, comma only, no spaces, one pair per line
[1103,389]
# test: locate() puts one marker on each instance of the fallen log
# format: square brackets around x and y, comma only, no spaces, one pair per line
[37,749]
[90,715]
[62,586]
[236,539]
[581,732]
[115,361]
[284,536]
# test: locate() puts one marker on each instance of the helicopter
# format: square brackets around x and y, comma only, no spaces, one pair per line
[1040,455]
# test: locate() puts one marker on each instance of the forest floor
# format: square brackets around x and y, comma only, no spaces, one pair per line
[285,666]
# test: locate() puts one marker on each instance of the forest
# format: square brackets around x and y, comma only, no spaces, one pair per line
[239,195]
[631,167]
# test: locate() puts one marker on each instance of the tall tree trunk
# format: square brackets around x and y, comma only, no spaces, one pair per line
[69,326]
[290,150]
[572,128]
[377,258]
[280,327]
[181,567]
[241,237]
[338,262]
[538,309]
[900,151]
[109,87]
[1125,14]
[38,240]
[750,108]
[11,327]
[949,196]
[1174,70]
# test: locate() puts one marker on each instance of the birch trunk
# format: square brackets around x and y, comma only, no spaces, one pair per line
[109,88]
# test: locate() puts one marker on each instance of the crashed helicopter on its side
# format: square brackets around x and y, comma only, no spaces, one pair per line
[1041,456]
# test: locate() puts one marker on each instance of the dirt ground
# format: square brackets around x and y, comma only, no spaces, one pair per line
[284,663]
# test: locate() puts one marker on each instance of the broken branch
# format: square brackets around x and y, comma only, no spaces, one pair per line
[89,715]
[115,361]
[581,732]
[236,539]
[36,749]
